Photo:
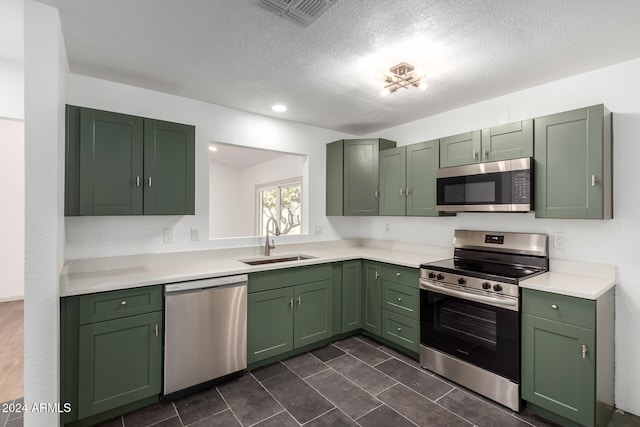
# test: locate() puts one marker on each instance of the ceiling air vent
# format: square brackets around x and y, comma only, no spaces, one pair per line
[304,12]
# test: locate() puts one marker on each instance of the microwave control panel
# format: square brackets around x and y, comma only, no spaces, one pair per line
[521,187]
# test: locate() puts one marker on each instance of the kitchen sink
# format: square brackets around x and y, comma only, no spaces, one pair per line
[276,259]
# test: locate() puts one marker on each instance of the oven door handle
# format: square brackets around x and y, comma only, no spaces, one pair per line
[468,296]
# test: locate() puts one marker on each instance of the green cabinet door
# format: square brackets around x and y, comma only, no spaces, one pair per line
[558,368]
[335,178]
[313,314]
[393,181]
[422,164]
[169,168]
[361,160]
[351,295]
[573,164]
[269,323]
[462,149]
[120,362]
[509,141]
[371,297]
[104,163]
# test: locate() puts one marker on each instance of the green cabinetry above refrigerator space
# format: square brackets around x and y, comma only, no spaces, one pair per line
[408,179]
[352,176]
[118,164]
[573,161]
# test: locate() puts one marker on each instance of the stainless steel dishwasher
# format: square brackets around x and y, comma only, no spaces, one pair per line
[205,332]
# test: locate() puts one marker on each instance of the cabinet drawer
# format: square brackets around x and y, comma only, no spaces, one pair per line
[401,299]
[561,308]
[117,304]
[401,330]
[405,275]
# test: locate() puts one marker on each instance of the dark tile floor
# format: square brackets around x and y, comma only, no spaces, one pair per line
[353,382]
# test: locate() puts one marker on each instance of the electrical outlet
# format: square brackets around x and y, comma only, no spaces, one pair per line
[195,234]
[387,228]
[167,235]
[559,240]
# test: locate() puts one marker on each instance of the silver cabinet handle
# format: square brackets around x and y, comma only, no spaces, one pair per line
[123,303]
[299,300]
[399,299]
[486,154]
[138,181]
[291,301]
[584,351]
[407,191]
[401,192]
[399,329]
[397,274]
[475,154]
[156,329]
[377,275]
[555,307]
[149,182]
[594,180]
[376,194]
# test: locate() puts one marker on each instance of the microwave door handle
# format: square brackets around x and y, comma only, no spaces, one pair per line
[467,296]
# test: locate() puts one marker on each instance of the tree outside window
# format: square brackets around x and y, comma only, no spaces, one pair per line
[283,203]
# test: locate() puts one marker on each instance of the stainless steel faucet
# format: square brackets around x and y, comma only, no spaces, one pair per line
[267,246]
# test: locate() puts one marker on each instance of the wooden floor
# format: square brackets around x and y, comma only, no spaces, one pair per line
[11,350]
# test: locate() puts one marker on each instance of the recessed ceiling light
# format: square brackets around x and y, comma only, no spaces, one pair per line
[279,108]
[213,148]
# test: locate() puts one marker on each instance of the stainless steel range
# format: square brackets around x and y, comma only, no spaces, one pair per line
[470,310]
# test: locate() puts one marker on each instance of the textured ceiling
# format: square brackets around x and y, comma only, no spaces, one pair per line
[237,54]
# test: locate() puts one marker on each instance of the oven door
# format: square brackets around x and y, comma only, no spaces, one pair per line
[498,186]
[475,328]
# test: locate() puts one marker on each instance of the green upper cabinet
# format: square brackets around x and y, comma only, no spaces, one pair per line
[393,181]
[503,142]
[169,154]
[462,149]
[352,176]
[117,164]
[573,161]
[408,179]
[510,141]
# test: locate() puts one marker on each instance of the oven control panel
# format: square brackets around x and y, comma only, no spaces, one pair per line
[471,283]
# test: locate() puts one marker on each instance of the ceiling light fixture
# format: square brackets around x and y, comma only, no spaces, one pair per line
[403,76]
[278,108]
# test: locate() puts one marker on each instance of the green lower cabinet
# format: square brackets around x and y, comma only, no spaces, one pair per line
[555,375]
[351,295]
[371,295]
[283,319]
[121,362]
[400,330]
[401,299]
[269,323]
[568,357]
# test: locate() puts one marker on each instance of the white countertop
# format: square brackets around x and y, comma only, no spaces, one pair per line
[111,273]
[93,275]
[562,278]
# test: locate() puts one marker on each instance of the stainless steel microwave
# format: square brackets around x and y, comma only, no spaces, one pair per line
[504,186]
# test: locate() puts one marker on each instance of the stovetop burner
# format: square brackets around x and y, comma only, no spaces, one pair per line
[483,270]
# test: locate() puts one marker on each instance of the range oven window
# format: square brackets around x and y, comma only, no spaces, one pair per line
[481,334]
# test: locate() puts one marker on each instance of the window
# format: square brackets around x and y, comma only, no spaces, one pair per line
[283,203]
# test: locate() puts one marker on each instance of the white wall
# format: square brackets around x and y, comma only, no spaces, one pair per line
[104,236]
[11,88]
[46,71]
[613,241]
[12,217]
[226,216]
